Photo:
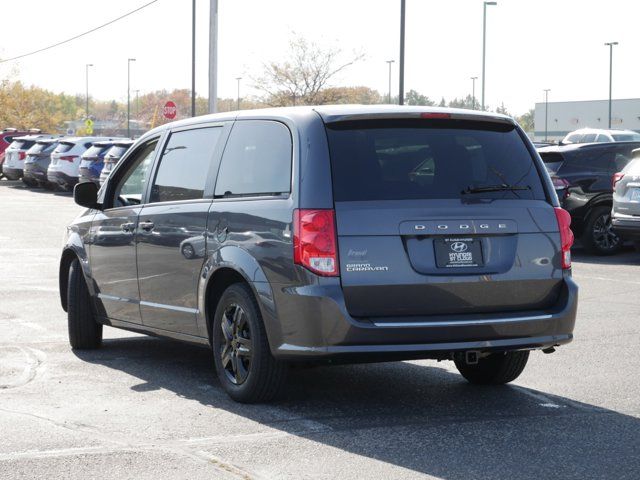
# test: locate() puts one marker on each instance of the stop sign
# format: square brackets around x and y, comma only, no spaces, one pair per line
[170,110]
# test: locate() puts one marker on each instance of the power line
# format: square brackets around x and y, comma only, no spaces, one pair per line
[80,35]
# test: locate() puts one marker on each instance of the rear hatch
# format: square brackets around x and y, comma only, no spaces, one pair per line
[626,192]
[16,153]
[441,217]
[91,160]
[41,150]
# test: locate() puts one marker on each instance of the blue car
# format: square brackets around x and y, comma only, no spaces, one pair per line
[92,160]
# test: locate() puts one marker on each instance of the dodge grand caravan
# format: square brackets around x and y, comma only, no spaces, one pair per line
[341,234]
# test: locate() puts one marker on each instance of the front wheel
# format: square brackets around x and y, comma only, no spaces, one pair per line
[84,332]
[494,369]
[244,364]
[599,237]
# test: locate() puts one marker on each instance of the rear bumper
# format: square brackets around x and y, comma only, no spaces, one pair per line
[35,172]
[12,173]
[62,179]
[86,175]
[325,329]
[628,227]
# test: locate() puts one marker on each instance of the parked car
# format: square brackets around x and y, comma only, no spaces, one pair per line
[596,135]
[6,138]
[92,161]
[113,156]
[625,215]
[16,153]
[581,174]
[37,162]
[343,233]
[64,168]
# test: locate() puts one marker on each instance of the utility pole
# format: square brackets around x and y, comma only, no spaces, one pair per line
[402,29]
[193,58]
[86,108]
[610,45]
[137,105]
[484,45]
[390,62]
[213,56]
[238,96]
[129,60]
[546,112]
[473,92]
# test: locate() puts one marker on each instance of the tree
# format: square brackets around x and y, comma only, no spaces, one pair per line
[466,102]
[415,98]
[502,109]
[300,79]
[526,120]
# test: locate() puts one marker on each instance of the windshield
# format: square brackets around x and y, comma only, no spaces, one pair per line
[42,147]
[116,152]
[626,137]
[95,151]
[400,160]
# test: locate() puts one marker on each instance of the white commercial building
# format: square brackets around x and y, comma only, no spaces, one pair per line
[564,117]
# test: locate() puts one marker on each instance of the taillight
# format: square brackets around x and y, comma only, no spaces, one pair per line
[566,236]
[615,179]
[315,245]
[68,158]
[22,155]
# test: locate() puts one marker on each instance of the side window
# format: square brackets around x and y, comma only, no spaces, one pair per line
[185,164]
[602,138]
[131,186]
[588,138]
[256,160]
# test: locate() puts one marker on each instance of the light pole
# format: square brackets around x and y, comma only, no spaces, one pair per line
[484,44]
[238,96]
[129,60]
[213,56]
[193,58]
[473,92]
[401,82]
[610,45]
[86,108]
[137,105]
[390,62]
[546,112]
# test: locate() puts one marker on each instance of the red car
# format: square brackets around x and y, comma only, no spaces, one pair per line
[6,137]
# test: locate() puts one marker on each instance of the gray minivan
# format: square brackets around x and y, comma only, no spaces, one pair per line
[327,234]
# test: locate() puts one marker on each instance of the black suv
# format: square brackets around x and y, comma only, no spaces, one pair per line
[327,234]
[582,175]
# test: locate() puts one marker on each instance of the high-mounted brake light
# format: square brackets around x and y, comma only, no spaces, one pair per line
[315,245]
[68,158]
[566,236]
[434,115]
[615,179]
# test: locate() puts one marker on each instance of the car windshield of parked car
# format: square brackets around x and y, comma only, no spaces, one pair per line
[21,144]
[400,160]
[115,152]
[42,147]
[626,137]
[94,151]
[63,147]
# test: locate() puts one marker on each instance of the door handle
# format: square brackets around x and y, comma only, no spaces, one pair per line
[127,227]
[147,226]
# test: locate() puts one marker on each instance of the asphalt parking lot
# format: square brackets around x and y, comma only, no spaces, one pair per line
[148,408]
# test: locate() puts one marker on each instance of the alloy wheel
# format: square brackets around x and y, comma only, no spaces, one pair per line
[603,235]
[235,351]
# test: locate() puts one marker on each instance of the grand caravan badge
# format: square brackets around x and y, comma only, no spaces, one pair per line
[365,267]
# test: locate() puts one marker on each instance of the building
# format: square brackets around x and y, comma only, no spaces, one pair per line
[564,117]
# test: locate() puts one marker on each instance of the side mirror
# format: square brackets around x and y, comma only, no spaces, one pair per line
[85,194]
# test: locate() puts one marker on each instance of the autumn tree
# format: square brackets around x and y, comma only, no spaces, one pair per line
[301,78]
[414,97]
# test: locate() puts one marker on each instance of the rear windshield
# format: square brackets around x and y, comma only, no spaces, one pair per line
[44,147]
[626,137]
[95,151]
[21,144]
[116,151]
[63,147]
[409,159]
[552,160]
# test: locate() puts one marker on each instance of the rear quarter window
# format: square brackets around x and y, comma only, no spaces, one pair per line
[418,159]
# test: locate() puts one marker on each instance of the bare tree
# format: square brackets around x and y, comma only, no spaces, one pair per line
[299,79]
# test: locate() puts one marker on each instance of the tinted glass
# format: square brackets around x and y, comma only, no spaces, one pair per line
[602,138]
[185,164]
[21,144]
[588,138]
[63,147]
[95,151]
[131,186]
[116,151]
[256,160]
[626,137]
[594,160]
[398,160]
[574,138]
[41,148]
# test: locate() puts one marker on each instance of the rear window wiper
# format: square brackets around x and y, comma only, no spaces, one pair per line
[503,187]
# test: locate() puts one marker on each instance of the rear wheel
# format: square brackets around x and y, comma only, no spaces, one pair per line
[244,364]
[494,369]
[599,237]
[84,332]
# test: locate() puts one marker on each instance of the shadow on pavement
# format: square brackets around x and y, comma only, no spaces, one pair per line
[426,419]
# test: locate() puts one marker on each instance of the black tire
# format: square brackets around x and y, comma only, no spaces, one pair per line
[598,237]
[84,332]
[250,373]
[188,251]
[495,369]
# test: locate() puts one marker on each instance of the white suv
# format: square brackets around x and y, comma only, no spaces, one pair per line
[65,160]
[595,135]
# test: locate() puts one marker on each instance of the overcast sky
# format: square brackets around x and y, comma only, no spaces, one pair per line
[531,45]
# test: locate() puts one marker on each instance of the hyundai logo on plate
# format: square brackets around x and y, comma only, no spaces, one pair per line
[459,247]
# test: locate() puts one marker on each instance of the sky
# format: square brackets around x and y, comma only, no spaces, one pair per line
[531,45]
